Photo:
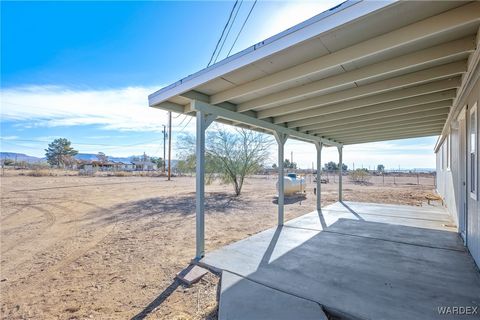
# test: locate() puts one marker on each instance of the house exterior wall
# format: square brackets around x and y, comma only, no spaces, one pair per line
[454,184]
[445,178]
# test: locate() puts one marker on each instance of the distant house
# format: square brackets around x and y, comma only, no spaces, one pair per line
[124,166]
[144,165]
[96,165]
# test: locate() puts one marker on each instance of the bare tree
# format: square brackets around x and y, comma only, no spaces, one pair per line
[231,155]
[102,158]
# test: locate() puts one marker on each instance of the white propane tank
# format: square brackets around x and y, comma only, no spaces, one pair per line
[293,184]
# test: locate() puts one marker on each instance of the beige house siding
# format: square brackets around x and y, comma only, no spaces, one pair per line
[451,176]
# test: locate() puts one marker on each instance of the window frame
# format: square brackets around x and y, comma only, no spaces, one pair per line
[440,151]
[448,152]
[473,155]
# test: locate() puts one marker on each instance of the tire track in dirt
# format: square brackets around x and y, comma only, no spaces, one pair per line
[12,214]
[97,238]
[4,200]
[80,186]
[49,219]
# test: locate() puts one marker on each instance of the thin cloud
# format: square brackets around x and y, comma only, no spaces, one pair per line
[123,109]
[9,137]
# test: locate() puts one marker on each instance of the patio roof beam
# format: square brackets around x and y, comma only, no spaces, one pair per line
[380,127]
[415,78]
[388,121]
[414,104]
[239,117]
[424,110]
[348,141]
[340,136]
[389,135]
[385,101]
[447,21]
[409,80]
[384,130]
[457,49]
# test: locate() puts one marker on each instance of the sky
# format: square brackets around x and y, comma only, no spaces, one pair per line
[83,71]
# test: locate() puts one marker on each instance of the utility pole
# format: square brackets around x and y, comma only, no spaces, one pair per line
[169,145]
[164,149]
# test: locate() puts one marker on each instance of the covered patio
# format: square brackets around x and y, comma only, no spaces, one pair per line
[349,260]
[363,71]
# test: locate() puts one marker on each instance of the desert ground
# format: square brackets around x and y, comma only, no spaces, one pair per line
[77,247]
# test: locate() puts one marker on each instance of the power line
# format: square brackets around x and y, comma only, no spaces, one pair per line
[183,120]
[228,32]
[243,25]
[223,32]
[189,120]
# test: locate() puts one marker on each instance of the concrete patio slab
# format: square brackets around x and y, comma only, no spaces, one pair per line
[425,217]
[358,268]
[262,302]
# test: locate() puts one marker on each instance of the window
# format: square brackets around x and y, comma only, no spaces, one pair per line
[448,145]
[440,156]
[472,130]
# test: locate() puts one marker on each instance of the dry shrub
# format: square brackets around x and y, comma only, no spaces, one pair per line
[40,173]
[359,176]
[87,173]
[147,173]
[119,174]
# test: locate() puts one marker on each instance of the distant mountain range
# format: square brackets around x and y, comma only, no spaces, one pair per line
[20,157]
[81,156]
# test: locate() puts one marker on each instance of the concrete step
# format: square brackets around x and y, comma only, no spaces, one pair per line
[241,299]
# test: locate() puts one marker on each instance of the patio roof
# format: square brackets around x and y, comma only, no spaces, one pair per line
[360,72]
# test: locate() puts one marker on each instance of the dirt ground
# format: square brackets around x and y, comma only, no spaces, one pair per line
[110,247]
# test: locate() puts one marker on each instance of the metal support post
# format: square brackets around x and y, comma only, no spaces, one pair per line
[318,146]
[203,121]
[281,139]
[340,173]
